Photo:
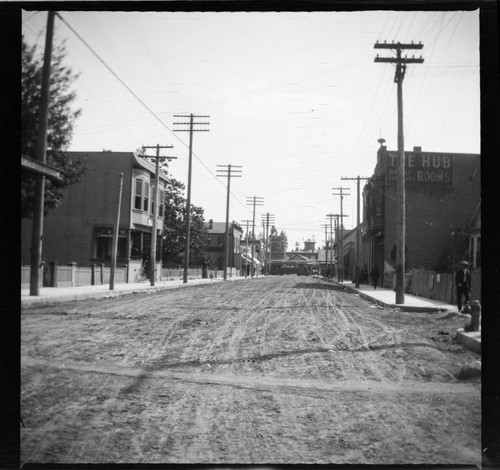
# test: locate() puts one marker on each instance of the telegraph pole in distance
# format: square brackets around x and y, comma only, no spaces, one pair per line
[191,129]
[401,63]
[247,221]
[152,256]
[331,216]
[39,199]
[235,172]
[358,229]
[255,201]
[340,254]
[341,228]
[114,249]
[325,226]
[267,218]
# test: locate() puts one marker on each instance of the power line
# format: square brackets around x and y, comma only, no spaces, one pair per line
[137,97]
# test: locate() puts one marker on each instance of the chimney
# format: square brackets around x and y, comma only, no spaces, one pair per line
[417,149]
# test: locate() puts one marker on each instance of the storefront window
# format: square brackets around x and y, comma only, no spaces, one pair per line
[103,244]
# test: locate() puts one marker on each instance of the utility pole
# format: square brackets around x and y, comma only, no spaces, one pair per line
[114,250]
[358,228]
[152,255]
[235,172]
[37,228]
[191,129]
[331,216]
[341,231]
[340,257]
[255,201]
[401,63]
[267,218]
[325,226]
[247,221]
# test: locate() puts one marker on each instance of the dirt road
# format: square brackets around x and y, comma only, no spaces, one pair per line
[271,370]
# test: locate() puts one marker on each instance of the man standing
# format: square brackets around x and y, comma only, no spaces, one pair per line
[462,283]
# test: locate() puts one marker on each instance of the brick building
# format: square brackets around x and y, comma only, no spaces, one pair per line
[443,192]
[80,230]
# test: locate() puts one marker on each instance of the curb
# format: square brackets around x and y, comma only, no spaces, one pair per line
[402,307]
[30,302]
[470,340]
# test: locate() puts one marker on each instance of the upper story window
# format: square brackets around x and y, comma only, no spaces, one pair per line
[161,199]
[145,205]
[138,194]
[141,199]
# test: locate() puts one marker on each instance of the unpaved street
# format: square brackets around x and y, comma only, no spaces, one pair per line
[271,370]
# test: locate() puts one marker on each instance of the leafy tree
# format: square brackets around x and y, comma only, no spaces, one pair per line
[61,118]
[174,235]
[278,242]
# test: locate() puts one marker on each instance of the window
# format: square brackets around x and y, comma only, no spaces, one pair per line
[161,197]
[136,245]
[138,194]
[103,243]
[145,206]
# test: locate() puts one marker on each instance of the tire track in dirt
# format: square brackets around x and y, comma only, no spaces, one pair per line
[261,383]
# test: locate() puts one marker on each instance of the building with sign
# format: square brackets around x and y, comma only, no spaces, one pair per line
[443,194]
[81,229]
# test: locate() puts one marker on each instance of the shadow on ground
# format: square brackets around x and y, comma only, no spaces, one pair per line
[320,285]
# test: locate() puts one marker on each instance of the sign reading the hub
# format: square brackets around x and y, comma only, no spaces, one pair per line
[422,168]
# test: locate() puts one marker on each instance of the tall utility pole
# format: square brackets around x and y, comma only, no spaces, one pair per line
[114,250]
[246,221]
[340,257]
[254,201]
[401,63]
[358,227]
[330,217]
[152,255]
[235,172]
[341,230]
[37,230]
[325,226]
[266,220]
[191,129]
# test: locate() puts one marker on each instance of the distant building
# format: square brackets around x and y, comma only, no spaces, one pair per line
[81,229]
[443,221]
[292,261]
[216,247]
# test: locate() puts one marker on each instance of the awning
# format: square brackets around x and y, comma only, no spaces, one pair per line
[248,258]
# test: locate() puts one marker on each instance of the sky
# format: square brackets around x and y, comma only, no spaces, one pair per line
[294,98]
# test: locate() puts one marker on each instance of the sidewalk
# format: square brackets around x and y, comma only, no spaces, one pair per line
[55,295]
[387,298]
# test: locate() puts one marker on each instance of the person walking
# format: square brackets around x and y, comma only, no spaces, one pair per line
[462,283]
[375,275]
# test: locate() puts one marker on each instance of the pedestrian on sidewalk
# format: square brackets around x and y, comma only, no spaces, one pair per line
[462,283]
[374,275]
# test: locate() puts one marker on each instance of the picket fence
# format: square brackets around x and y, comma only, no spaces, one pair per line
[73,275]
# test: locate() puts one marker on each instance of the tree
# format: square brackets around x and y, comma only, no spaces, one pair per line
[61,119]
[278,243]
[174,234]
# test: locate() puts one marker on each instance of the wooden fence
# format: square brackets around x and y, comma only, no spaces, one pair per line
[440,286]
